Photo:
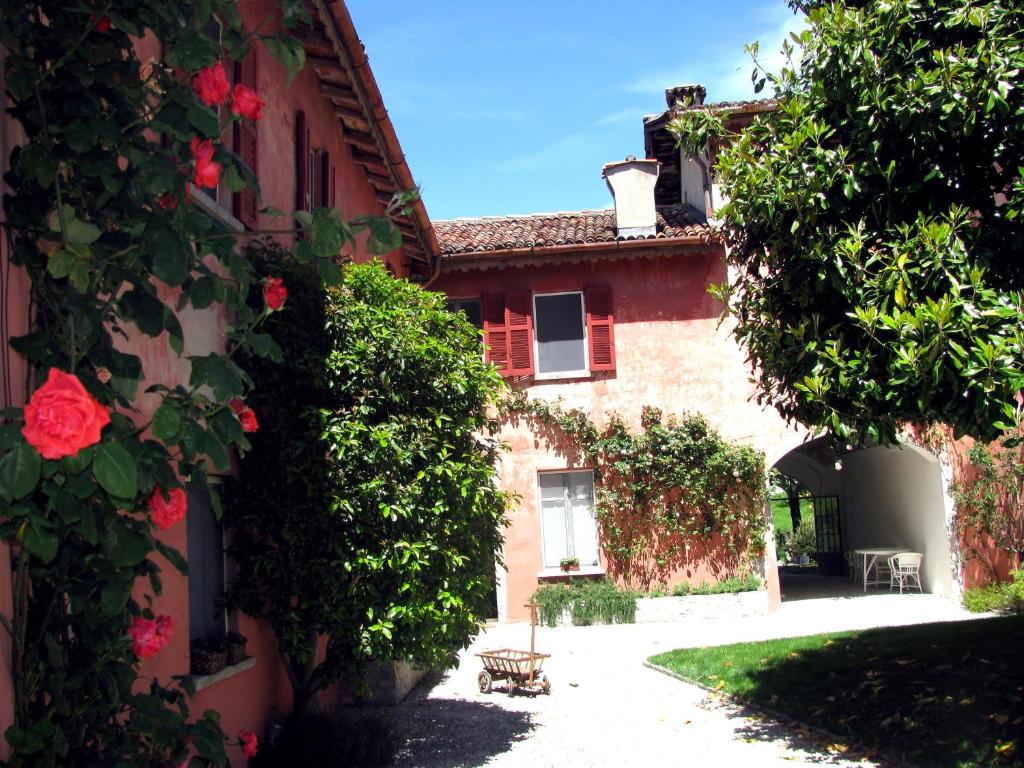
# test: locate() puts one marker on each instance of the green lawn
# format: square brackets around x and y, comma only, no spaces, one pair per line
[947,695]
[780,513]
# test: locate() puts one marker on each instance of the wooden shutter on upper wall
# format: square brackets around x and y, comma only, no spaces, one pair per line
[519,310]
[333,177]
[245,203]
[302,201]
[600,328]
[495,332]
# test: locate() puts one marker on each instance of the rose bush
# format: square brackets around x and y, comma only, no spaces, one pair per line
[99,216]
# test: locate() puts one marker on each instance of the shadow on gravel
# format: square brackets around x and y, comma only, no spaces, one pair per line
[816,748]
[442,733]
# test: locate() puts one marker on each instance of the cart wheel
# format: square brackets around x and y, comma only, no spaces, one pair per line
[545,685]
[484,681]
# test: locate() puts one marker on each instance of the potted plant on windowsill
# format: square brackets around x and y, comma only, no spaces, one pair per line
[235,643]
[569,564]
[207,656]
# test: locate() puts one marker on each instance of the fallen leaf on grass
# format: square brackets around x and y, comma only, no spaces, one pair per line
[794,655]
[1001,719]
[729,664]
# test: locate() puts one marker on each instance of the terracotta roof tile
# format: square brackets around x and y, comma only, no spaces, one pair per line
[539,230]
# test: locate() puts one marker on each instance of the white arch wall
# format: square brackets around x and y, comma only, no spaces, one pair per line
[895,496]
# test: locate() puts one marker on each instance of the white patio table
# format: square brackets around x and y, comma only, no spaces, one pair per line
[874,553]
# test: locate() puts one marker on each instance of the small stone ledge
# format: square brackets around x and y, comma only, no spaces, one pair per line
[205,681]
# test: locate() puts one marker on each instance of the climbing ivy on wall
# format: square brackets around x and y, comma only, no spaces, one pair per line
[666,496]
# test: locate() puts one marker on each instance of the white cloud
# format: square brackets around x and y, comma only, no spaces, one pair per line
[726,72]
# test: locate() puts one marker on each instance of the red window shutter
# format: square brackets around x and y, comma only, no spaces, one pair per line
[302,201]
[245,203]
[519,309]
[333,181]
[495,332]
[600,328]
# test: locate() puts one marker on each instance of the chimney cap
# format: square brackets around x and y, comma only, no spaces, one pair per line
[689,94]
[631,160]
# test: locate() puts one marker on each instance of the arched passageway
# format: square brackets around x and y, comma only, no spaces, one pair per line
[886,496]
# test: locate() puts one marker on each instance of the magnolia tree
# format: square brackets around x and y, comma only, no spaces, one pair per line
[874,219]
[100,216]
[367,512]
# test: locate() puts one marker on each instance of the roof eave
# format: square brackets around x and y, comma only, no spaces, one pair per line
[464,261]
[341,33]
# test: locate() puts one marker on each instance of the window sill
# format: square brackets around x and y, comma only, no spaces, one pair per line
[558,573]
[214,209]
[562,375]
[205,681]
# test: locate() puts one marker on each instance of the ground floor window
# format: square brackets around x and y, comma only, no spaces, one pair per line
[206,566]
[568,519]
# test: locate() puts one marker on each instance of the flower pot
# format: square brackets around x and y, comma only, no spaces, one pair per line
[804,560]
[207,662]
[236,652]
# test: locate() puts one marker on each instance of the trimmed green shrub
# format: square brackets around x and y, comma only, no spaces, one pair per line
[588,602]
[1007,597]
[749,583]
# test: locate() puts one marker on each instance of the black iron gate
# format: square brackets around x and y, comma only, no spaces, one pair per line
[828,535]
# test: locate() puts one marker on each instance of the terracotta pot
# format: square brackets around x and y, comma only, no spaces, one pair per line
[207,662]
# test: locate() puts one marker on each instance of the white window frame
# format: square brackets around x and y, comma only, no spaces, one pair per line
[585,371]
[585,569]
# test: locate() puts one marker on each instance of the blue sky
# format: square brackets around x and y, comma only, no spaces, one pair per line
[513,107]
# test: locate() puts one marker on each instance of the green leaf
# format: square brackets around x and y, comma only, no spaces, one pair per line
[289,52]
[114,597]
[204,120]
[226,426]
[82,232]
[216,372]
[330,272]
[170,253]
[20,469]
[41,542]
[384,238]
[167,420]
[131,548]
[203,292]
[215,450]
[115,470]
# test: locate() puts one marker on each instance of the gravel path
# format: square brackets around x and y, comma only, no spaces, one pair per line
[607,709]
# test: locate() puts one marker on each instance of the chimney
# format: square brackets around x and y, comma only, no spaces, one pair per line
[632,184]
[688,95]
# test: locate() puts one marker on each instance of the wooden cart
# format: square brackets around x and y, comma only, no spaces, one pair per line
[521,669]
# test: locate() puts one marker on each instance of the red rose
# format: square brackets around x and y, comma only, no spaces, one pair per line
[62,418]
[246,415]
[167,202]
[103,23]
[274,293]
[250,744]
[211,84]
[149,636]
[207,173]
[165,512]
[245,102]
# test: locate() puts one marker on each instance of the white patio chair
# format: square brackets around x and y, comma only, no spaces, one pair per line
[854,562]
[906,570]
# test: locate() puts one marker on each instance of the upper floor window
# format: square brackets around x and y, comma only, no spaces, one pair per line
[550,335]
[470,308]
[560,334]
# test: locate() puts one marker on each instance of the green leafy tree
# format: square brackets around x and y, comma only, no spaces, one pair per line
[367,513]
[874,219]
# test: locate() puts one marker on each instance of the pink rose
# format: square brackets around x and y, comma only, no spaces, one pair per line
[149,636]
[211,84]
[165,512]
[207,172]
[246,415]
[249,742]
[245,102]
[62,418]
[274,293]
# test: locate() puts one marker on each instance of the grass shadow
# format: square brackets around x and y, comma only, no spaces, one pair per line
[946,695]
